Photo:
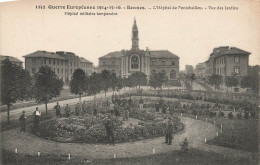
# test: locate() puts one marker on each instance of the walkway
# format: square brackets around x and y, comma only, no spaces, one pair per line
[195,130]
[14,114]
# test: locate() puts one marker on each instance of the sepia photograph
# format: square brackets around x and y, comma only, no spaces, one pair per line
[122,82]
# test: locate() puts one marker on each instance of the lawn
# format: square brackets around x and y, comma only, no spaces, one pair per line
[238,134]
[193,157]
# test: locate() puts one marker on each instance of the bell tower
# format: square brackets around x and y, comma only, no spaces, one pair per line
[135,39]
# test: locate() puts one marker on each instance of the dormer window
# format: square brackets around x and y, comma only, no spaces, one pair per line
[173,63]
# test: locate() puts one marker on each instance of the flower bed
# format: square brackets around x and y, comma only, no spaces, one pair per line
[90,129]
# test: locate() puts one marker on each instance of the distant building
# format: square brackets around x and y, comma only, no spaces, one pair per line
[228,61]
[126,62]
[62,63]
[12,59]
[189,69]
[200,70]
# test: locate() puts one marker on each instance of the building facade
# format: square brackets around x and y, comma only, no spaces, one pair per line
[228,61]
[12,59]
[200,70]
[189,69]
[62,63]
[126,62]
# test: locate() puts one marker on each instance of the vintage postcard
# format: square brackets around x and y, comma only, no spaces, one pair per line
[129,82]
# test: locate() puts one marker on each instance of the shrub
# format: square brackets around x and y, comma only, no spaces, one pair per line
[230,115]
[246,115]
[213,114]
[184,146]
[221,114]
[239,115]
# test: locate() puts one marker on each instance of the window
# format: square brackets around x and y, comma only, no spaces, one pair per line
[33,61]
[237,70]
[163,62]
[54,61]
[54,69]
[65,71]
[236,89]
[172,74]
[45,61]
[58,62]
[134,62]
[153,63]
[163,72]
[153,72]
[33,70]
[71,71]
[70,63]
[173,63]
[58,70]
[61,70]
[237,59]
[61,62]
[50,61]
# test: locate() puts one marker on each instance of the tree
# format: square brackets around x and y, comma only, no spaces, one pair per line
[119,84]
[156,80]
[79,83]
[252,79]
[15,84]
[231,81]
[129,82]
[216,81]
[47,85]
[114,81]
[94,83]
[138,78]
[105,80]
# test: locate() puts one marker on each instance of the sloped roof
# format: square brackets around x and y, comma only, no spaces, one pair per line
[115,54]
[153,54]
[84,60]
[162,54]
[12,59]
[228,51]
[45,54]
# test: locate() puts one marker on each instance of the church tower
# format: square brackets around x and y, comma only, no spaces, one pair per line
[135,39]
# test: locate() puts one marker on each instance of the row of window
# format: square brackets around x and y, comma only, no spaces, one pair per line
[220,60]
[61,62]
[58,70]
[163,63]
[153,63]
[172,73]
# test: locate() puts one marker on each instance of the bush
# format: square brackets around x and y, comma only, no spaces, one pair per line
[212,114]
[230,115]
[239,115]
[221,114]
[246,115]
[184,146]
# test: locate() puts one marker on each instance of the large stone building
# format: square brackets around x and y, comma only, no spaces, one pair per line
[228,61]
[126,62]
[200,70]
[12,59]
[63,63]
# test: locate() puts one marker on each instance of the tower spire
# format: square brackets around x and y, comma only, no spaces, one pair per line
[135,39]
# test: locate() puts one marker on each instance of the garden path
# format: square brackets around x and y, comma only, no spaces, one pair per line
[195,130]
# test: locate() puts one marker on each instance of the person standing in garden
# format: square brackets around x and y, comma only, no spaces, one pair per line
[22,120]
[141,103]
[169,131]
[164,108]
[67,111]
[126,112]
[36,122]
[57,108]
[161,101]
[117,111]
[109,125]
[77,109]
[130,103]
[84,108]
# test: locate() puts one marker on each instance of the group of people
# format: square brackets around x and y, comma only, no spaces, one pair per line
[36,121]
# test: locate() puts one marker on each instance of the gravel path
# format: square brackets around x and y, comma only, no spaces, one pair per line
[195,130]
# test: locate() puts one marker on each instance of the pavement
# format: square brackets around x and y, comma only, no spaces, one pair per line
[195,130]
[14,114]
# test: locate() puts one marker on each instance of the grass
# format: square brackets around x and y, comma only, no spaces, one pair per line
[238,134]
[194,157]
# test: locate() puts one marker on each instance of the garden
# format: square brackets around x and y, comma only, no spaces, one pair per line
[90,129]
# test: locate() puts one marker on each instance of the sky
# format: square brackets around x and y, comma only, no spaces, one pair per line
[190,34]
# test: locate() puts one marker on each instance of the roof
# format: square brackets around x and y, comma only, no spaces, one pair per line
[84,60]
[153,54]
[45,54]
[116,54]
[162,54]
[12,59]
[226,50]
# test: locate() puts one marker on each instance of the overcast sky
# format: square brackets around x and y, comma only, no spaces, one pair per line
[190,34]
